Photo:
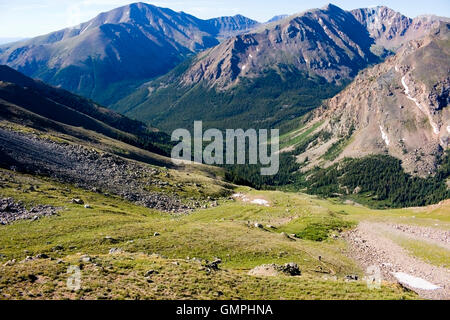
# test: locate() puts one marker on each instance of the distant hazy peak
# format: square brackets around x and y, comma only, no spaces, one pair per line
[277,18]
[391,29]
[330,7]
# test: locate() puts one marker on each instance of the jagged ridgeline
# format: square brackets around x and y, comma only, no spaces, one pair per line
[275,72]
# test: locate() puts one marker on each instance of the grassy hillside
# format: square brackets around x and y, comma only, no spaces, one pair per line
[127,251]
[83,237]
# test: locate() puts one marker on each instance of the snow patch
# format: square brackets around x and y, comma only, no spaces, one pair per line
[414,282]
[250,56]
[384,136]
[408,95]
[244,198]
[85,28]
[260,202]
[436,128]
[448,129]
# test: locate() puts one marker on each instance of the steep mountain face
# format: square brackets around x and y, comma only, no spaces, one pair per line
[283,70]
[391,29]
[29,102]
[103,57]
[328,42]
[399,107]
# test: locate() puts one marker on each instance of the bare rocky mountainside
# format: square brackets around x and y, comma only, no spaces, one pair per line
[330,42]
[399,107]
[108,55]
[277,72]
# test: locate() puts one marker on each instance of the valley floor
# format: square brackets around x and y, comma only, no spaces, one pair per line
[126,251]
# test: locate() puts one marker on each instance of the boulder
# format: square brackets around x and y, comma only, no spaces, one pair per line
[272,270]
[291,269]
[150,272]
[352,277]
[77,201]
[214,265]
[115,251]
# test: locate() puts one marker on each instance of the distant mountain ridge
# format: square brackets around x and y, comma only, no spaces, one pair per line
[391,29]
[276,72]
[328,41]
[277,18]
[106,56]
[10,40]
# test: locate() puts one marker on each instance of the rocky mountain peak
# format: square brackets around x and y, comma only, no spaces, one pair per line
[331,7]
[227,26]
[329,42]
[391,29]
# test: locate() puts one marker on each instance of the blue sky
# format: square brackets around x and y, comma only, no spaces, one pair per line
[27,18]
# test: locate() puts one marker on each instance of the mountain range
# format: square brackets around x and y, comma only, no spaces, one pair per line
[338,83]
[92,207]
[107,56]
[275,73]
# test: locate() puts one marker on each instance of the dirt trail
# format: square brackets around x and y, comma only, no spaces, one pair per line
[430,235]
[370,246]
